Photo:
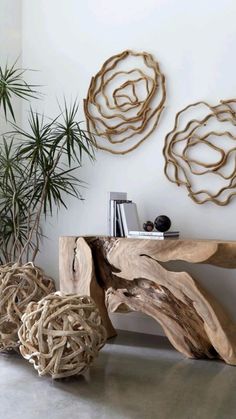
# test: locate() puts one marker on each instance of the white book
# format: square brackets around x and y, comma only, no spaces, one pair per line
[147,237]
[112,197]
[129,215]
[146,233]
[112,218]
[153,237]
[154,233]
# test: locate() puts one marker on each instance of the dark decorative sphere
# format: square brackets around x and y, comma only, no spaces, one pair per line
[162,223]
[148,226]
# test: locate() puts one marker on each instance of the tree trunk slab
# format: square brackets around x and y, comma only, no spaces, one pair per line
[123,275]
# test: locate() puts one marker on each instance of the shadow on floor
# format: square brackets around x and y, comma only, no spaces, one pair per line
[136,376]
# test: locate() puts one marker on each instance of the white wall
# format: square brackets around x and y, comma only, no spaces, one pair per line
[194,41]
[10,34]
[10,41]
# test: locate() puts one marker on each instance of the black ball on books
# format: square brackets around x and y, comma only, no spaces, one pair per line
[148,226]
[162,223]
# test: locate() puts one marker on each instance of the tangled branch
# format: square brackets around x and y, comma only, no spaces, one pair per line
[123,104]
[183,141]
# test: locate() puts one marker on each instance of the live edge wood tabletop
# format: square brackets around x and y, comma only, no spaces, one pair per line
[123,274]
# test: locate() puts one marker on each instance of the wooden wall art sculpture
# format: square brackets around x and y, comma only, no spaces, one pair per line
[201,151]
[124,102]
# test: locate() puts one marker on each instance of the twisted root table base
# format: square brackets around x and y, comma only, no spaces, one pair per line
[124,275]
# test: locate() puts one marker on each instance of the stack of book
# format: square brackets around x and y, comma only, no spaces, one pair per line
[124,221]
[154,235]
[122,215]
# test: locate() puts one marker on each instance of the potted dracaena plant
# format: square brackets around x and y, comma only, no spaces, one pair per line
[37,172]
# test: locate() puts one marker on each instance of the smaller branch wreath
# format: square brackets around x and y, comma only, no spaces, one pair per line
[197,126]
[124,102]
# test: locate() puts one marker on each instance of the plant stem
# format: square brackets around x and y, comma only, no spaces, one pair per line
[35,226]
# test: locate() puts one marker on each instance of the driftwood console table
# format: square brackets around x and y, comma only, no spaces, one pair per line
[124,275]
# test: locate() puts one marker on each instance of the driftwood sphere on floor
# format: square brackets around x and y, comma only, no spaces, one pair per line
[61,334]
[19,285]
[133,277]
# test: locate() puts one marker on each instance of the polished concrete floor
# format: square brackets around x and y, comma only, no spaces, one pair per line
[135,376]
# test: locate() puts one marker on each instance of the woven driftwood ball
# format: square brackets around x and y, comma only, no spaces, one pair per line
[61,334]
[18,286]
